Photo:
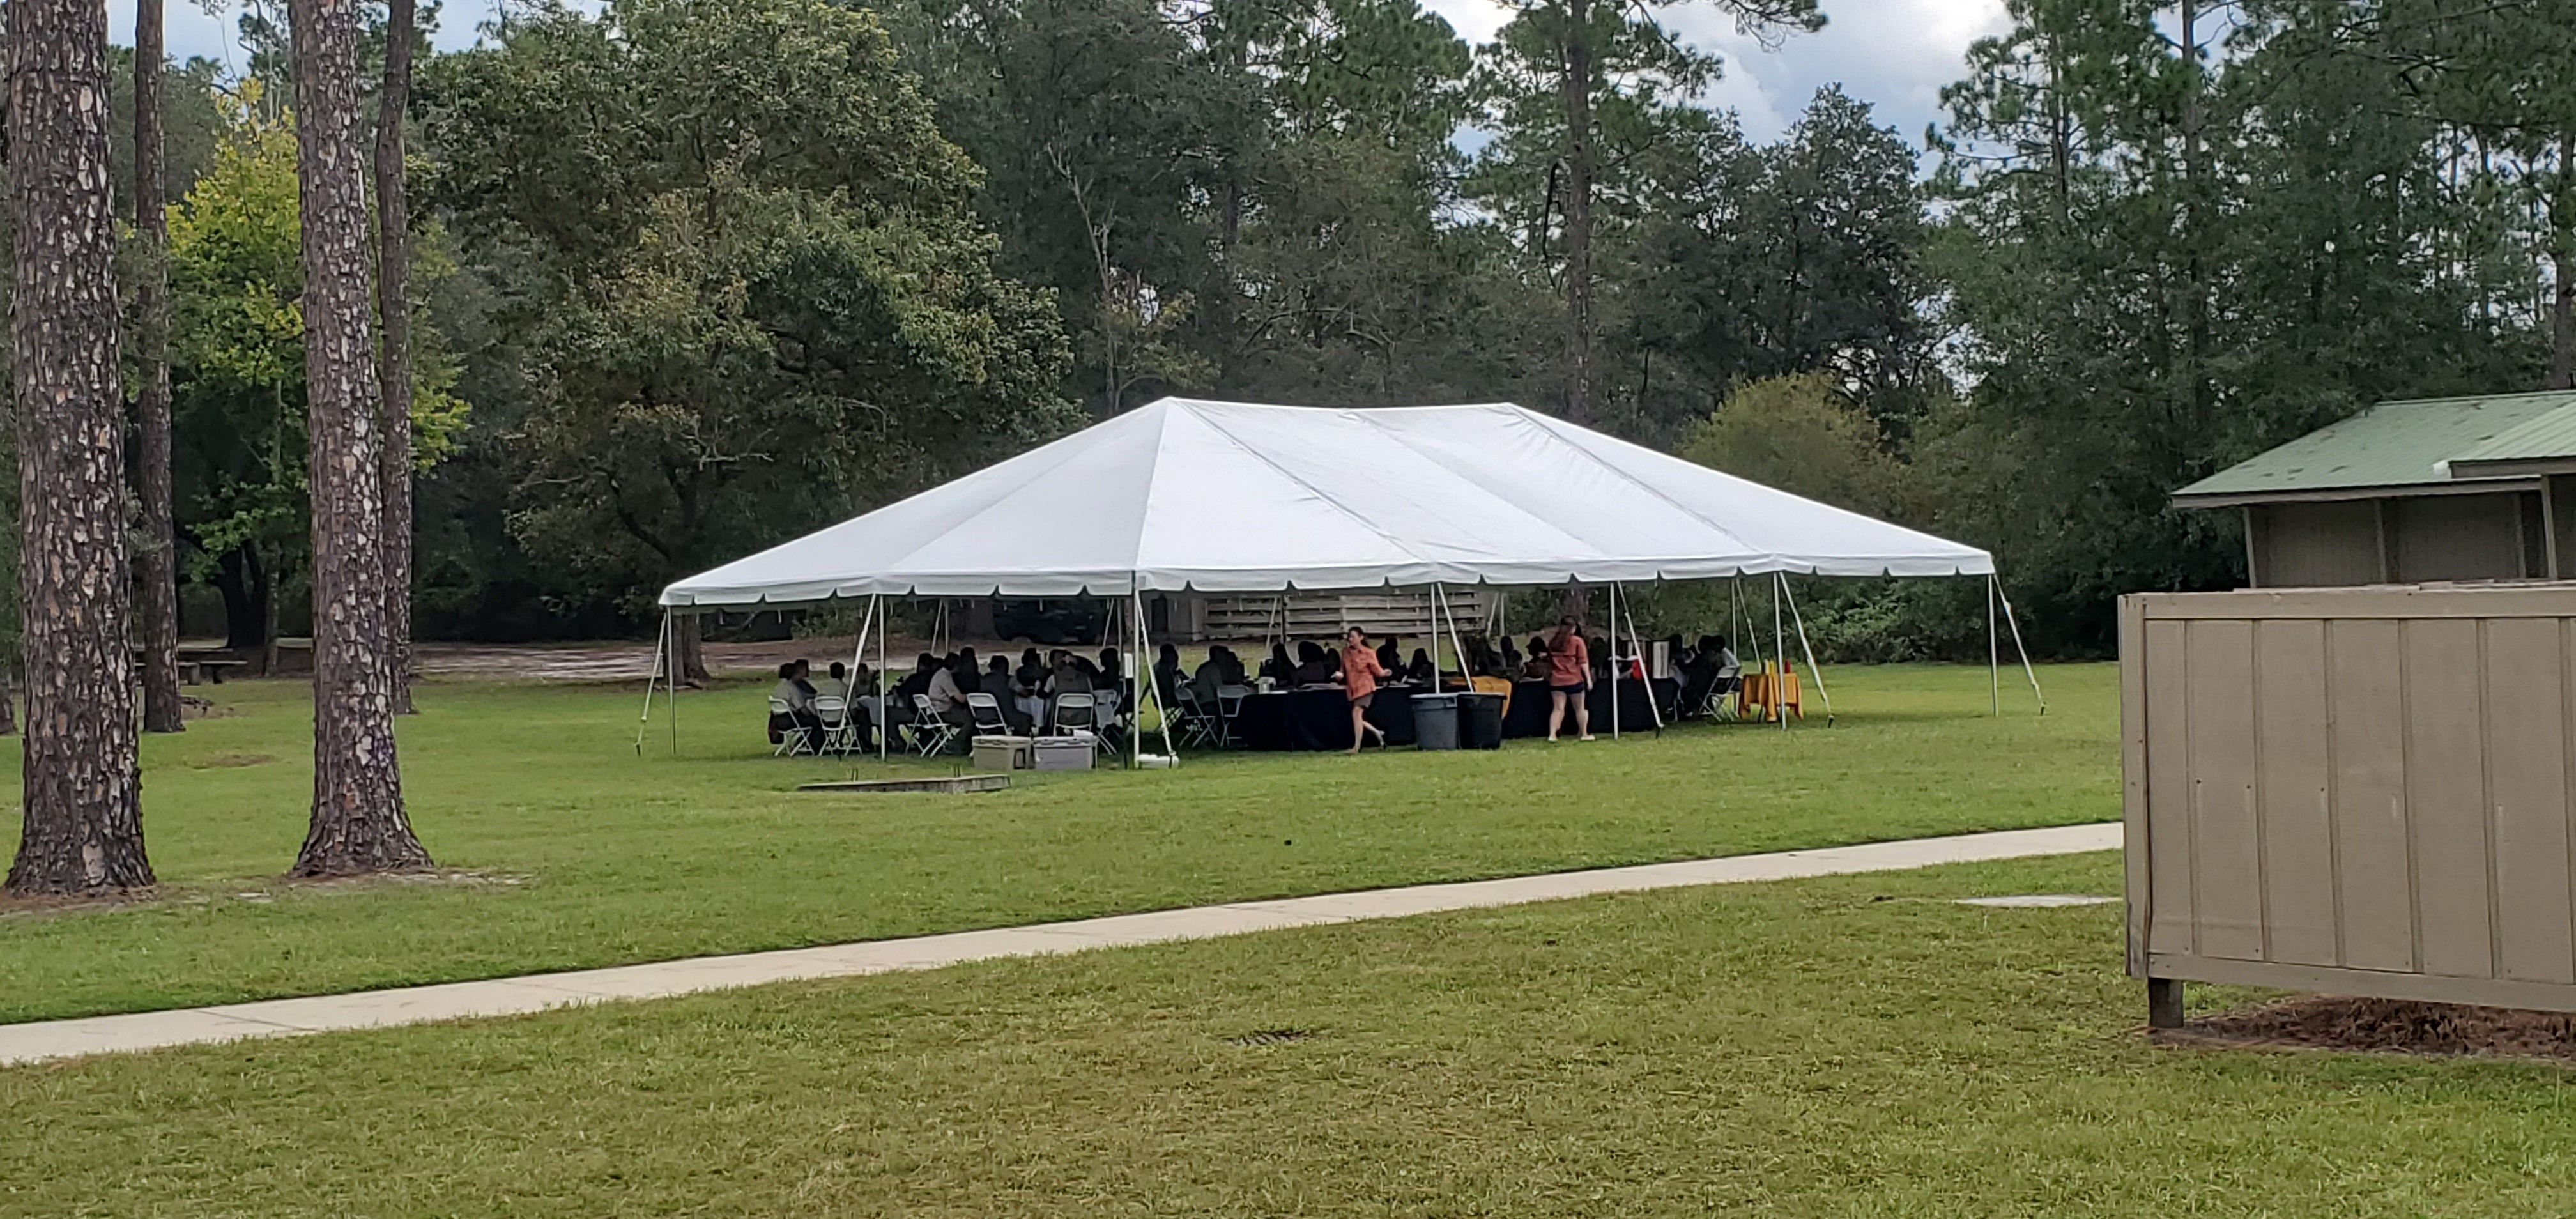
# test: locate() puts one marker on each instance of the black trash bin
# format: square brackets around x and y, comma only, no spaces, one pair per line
[1480,721]
[1435,721]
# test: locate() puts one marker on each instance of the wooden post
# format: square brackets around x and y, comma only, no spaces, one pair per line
[2164,1003]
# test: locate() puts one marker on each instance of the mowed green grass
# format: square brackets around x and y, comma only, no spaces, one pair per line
[1856,1046]
[593,855]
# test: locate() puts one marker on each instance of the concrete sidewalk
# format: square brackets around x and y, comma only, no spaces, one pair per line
[35,1042]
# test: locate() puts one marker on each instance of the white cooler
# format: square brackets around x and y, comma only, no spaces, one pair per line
[1003,753]
[1062,752]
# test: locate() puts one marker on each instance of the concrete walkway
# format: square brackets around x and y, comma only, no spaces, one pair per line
[36,1042]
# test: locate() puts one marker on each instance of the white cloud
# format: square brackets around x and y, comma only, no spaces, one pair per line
[1895,54]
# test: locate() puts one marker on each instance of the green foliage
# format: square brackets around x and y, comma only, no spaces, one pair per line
[765,301]
[237,350]
[1801,434]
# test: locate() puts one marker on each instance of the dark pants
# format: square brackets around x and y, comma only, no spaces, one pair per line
[798,721]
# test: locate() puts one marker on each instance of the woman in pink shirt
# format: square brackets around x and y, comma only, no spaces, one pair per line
[1360,671]
[1569,679]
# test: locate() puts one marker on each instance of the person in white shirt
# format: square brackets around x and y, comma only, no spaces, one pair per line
[947,699]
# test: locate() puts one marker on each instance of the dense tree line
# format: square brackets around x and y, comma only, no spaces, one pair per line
[683,279]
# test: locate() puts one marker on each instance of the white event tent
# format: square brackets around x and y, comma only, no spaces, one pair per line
[1185,495]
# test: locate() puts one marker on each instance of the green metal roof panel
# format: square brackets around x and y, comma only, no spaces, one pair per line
[2393,444]
[2551,436]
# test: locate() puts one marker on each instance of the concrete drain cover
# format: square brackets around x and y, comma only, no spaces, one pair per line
[2039,901]
[1270,1037]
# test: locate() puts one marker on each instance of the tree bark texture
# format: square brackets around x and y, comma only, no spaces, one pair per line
[393,305]
[83,826]
[690,631]
[2562,269]
[358,820]
[1576,86]
[156,567]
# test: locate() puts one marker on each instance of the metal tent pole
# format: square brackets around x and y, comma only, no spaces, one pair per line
[1637,648]
[885,709]
[661,652]
[1994,660]
[1779,654]
[1814,670]
[1152,688]
[2013,621]
[1613,658]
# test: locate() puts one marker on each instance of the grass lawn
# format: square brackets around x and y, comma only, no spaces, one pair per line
[595,856]
[1856,1046]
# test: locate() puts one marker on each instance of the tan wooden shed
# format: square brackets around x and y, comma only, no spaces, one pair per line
[2442,489]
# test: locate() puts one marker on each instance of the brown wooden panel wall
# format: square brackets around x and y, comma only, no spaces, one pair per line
[2362,791]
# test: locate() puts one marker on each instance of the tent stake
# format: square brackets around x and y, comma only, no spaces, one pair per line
[2013,621]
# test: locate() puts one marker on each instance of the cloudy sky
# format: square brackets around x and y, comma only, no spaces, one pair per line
[1895,54]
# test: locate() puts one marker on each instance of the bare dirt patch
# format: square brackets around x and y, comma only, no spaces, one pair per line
[230,758]
[2386,1026]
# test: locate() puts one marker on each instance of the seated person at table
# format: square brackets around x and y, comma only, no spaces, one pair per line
[948,698]
[1006,693]
[1067,677]
[1111,676]
[1279,669]
[1421,672]
[1028,690]
[1210,676]
[835,686]
[916,682]
[1313,669]
[967,666]
[795,694]
[1390,654]
[1167,675]
[1536,668]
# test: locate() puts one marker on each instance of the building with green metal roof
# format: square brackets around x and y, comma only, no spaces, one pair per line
[2434,489]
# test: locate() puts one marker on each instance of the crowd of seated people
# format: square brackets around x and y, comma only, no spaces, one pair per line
[1024,695]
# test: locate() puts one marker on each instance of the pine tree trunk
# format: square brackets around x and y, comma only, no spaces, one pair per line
[83,826]
[1576,86]
[157,565]
[689,629]
[393,304]
[358,819]
[2562,269]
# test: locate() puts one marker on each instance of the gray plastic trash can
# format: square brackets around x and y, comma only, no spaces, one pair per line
[1480,721]
[1435,721]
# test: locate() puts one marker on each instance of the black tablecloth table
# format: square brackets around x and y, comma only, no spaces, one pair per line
[1320,718]
[1530,701]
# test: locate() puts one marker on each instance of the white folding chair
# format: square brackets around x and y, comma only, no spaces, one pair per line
[840,732]
[1079,715]
[791,739]
[930,733]
[989,720]
[1229,704]
[1193,726]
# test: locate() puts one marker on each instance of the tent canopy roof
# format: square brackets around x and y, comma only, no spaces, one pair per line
[1183,494]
